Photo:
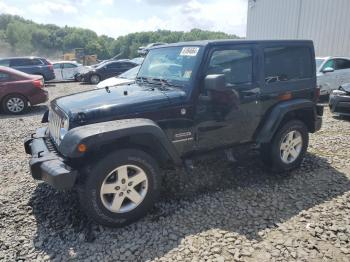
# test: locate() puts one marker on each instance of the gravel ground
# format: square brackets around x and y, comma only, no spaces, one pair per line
[222,212]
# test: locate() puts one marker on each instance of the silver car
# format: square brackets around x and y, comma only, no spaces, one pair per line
[332,72]
[67,70]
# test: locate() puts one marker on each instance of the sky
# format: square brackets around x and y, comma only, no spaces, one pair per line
[120,17]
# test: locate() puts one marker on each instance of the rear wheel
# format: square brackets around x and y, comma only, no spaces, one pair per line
[287,148]
[95,79]
[120,188]
[15,104]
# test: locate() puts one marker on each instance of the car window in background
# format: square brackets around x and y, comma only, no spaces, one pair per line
[113,65]
[341,64]
[329,63]
[20,62]
[69,65]
[4,77]
[57,66]
[319,63]
[5,62]
[287,63]
[130,74]
[35,61]
[235,64]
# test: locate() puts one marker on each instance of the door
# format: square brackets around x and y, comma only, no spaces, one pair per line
[328,80]
[228,116]
[69,70]
[57,68]
[342,68]
[112,69]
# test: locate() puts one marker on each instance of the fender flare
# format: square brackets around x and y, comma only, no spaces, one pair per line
[275,117]
[96,135]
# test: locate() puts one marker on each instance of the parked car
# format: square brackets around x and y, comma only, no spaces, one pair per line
[18,90]
[30,65]
[332,72]
[112,144]
[125,78]
[339,101]
[107,70]
[68,70]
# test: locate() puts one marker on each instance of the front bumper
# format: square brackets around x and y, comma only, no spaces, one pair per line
[340,104]
[46,164]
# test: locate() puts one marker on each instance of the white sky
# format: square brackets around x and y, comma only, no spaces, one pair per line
[120,17]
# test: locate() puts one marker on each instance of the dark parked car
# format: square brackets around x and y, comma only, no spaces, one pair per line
[30,65]
[188,99]
[339,101]
[18,89]
[106,70]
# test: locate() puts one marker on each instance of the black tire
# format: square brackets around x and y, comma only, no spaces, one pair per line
[271,152]
[95,79]
[95,175]
[14,97]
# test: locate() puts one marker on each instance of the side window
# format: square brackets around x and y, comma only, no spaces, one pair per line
[341,64]
[4,77]
[21,62]
[235,64]
[5,62]
[35,61]
[56,66]
[287,63]
[329,63]
[113,66]
[67,65]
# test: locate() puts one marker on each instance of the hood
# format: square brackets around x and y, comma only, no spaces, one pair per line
[114,81]
[131,100]
[346,88]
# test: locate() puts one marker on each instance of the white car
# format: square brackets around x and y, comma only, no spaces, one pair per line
[67,70]
[332,72]
[125,78]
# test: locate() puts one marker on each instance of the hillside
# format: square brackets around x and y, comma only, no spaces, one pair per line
[19,36]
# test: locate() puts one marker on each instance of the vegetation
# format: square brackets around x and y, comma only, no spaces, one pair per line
[19,36]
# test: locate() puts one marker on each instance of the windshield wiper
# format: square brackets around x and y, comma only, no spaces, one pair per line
[157,81]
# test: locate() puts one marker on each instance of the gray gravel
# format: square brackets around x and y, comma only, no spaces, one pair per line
[222,212]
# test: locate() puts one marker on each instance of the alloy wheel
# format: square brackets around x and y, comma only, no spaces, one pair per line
[124,189]
[15,105]
[291,146]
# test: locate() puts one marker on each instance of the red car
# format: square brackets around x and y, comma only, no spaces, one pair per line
[18,90]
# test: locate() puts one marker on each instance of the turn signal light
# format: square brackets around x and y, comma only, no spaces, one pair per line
[82,148]
[285,96]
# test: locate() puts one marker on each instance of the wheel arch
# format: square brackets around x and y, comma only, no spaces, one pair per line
[300,109]
[141,134]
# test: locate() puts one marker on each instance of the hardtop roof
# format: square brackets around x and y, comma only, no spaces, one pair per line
[233,41]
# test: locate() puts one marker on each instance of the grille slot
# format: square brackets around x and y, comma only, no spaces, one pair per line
[55,125]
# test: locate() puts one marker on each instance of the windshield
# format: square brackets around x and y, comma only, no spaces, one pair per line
[319,63]
[175,64]
[130,74]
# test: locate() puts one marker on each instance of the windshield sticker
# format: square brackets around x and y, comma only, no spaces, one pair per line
[187,74]
[189,51]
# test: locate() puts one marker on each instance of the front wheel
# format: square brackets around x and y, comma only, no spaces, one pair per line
[120,188]
[287,149]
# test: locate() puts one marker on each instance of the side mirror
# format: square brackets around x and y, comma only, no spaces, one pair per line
[215,82]
[328,70]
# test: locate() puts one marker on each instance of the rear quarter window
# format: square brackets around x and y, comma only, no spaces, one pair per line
[287,63]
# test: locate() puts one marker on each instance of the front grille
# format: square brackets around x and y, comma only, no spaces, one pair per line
[55,124]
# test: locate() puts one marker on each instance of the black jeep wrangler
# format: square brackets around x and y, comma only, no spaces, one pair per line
[189,98]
